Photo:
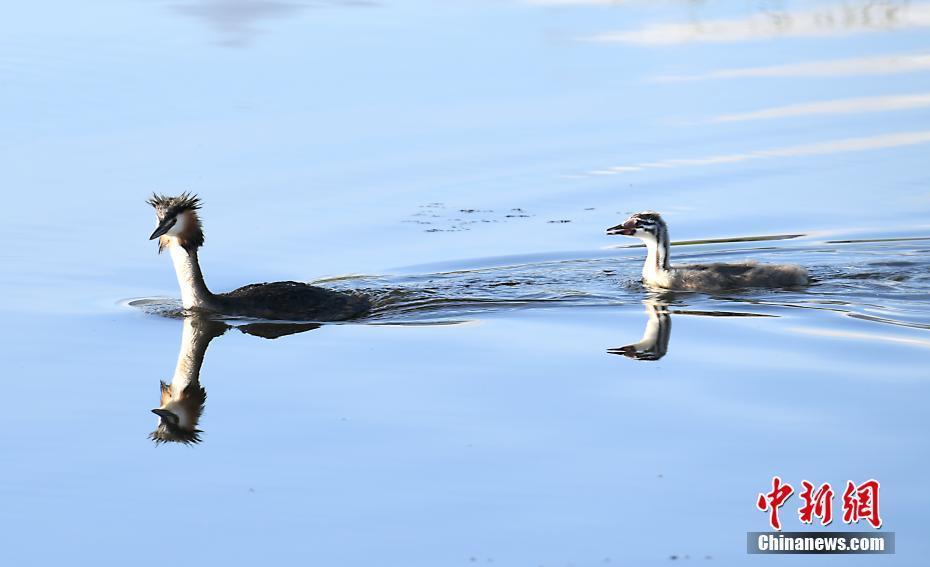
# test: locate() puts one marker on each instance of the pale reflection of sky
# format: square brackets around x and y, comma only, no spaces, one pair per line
[236,20]
[843,106]
[822,148]
[862,336]
[840,19]
[576,2]
[879,65]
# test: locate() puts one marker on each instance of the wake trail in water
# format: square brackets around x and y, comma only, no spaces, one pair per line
[884,281]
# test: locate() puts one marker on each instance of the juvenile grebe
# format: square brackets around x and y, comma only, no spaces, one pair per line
[179,230]
[649,227]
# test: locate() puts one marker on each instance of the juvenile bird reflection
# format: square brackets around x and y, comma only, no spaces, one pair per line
[654,343]
[182,400]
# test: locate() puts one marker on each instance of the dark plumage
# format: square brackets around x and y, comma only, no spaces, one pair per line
[166,206]
[292,300]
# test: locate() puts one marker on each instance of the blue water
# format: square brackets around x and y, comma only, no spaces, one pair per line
[460,161]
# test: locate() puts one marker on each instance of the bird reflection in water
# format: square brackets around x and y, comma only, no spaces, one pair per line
[654,343]
[183,400]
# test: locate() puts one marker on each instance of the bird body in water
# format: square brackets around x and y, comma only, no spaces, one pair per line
[180,231]
[649,227]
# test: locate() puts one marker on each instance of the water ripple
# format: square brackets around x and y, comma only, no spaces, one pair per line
[882,281]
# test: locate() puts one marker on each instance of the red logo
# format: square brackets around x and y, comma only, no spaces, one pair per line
[774,500]
[816,504]
[859,502]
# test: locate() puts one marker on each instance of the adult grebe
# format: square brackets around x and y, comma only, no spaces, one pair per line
[649,227]
[179,230]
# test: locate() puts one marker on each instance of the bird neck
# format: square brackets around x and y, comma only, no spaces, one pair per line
[658,329]
[194,292]
[656,256]
[194,343]
[185,396]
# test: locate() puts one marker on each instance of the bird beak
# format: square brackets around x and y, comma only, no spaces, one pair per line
[626,229]
[163,413]
[628,351]
[163,227]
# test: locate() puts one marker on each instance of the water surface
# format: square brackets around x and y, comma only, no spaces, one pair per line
[517,398]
